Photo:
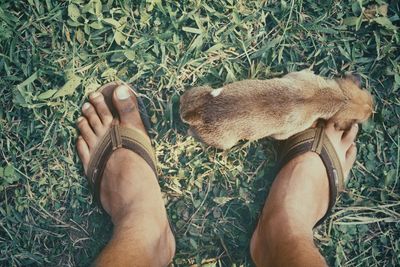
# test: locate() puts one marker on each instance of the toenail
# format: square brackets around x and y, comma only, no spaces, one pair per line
[79,119]
[123,92]
[355,125]
[86,106]
[95,95]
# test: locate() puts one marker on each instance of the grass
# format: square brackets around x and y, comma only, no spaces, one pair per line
[53,53]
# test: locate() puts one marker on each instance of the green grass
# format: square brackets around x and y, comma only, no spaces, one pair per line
[53,53]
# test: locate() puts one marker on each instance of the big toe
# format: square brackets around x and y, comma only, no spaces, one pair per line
[126,104]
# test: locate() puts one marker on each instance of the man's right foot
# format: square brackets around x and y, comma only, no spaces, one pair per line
[129,190]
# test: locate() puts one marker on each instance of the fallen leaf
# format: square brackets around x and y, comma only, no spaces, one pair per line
[69,87]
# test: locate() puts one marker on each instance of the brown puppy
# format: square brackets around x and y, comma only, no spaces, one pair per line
[280,107]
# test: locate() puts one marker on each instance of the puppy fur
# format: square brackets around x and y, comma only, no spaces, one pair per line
[279,107]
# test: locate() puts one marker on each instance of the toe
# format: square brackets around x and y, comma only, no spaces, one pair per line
[351,154]
[94,121]
[127,107]
[83,151]
[349,136]
[87,133]
[104,113]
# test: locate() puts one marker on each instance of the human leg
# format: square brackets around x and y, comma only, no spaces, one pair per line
[129,190]
[298,198]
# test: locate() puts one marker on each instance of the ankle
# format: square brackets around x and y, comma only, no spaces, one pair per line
[144,242]
[153,237]
[274,224]
[277,236]
[290,248]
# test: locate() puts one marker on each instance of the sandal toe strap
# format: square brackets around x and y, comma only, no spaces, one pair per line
[117,137]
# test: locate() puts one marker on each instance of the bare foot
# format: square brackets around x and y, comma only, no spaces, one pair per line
[299,197]
[129,190]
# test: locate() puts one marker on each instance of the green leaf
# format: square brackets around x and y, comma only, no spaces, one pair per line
[350,21]
[230,75]
[97,25]
[222,200]
[69,87]
[129,54]
[112,22]
[19,98]
[93,7]
[356,8]
[385,22]
[98,6]
[390,177]
[119,37]
[9,171]
[191,30]
[88,8]
[47,94]
[396,84]
[197,43]
[73,12]
[215,47]
[80,36]
[91,85]
[196,203]
[29,80]
[353,21]
[23,94]
[193,243]
[109,73]
[73,23]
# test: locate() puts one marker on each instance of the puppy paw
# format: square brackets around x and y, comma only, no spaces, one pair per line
[344,125]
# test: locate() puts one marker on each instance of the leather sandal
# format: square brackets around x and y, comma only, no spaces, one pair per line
[118,137]
[316,140]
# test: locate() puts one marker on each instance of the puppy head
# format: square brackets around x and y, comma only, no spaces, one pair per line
[358,100]
[192,104]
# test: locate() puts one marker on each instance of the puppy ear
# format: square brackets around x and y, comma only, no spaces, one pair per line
[344,125]
[191,116]
[355,78]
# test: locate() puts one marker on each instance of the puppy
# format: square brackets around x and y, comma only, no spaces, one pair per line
[279,107]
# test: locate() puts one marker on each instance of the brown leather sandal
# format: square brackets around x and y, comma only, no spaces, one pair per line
[317,141]
[118,137]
